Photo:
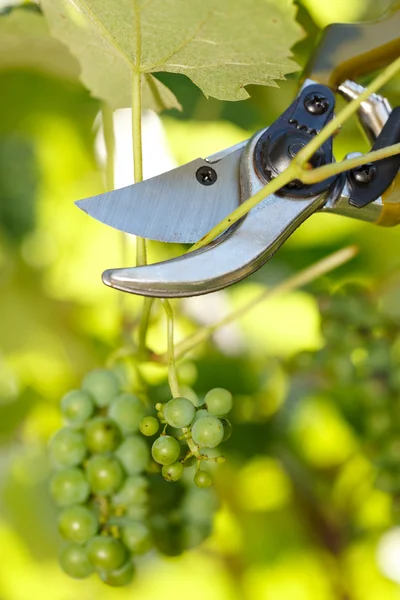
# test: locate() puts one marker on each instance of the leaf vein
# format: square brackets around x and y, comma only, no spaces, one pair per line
[223,64]
[138,36]
[185,43]
[97,23]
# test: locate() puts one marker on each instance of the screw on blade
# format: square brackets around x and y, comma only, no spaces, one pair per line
[206,175]
[365,174]
[316,104]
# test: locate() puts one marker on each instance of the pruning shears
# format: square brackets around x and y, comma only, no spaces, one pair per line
[182,205]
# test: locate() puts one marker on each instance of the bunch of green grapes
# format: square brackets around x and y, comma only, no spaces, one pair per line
[359,368]
[114,503]
[190,429]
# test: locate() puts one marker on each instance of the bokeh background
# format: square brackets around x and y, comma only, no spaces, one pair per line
[57,321]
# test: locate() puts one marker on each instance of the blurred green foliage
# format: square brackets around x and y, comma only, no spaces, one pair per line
[19,182]
[300,517]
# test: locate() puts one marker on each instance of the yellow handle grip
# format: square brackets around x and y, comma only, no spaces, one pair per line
[390,214]
[349,50]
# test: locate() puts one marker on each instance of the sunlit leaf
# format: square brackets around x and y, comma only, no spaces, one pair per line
[221,45]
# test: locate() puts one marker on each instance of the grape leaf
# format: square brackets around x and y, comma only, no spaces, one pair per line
[26,43]
[221,45]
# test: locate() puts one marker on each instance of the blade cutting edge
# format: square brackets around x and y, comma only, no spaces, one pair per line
[174,206]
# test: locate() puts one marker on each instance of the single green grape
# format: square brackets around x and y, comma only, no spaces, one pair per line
[67,448]
[166,450]
[132,492]
[179,412]
[102,435]
[190,394]
[227,429]
[202,479]
[178,434]
[105,474]
[103,386]
[172,472]
[133,454]
[77,407]
[136,537]
[124,372]
[128,411]
[119,577]
[137,512]
[218,401]
[193,534]
[77,524]
[149,426]
[208,432]
[200,414]
[166,534]
[106,553]
[69,487]
[74,561]
[199,505]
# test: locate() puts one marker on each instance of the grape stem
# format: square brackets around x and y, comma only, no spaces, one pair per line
[188,455]
[137,143]
[172,374]
[194,450]
[144,325]
[299,168]
[327,264]
[103,505]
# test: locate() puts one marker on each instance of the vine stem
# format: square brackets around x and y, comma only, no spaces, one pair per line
[331,262]
[172,374]
[299,166]
[141,250]
[144,325]
[137,143]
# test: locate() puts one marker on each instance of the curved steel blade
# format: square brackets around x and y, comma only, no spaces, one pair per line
[173,207]
[237,253]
